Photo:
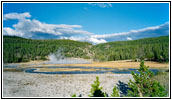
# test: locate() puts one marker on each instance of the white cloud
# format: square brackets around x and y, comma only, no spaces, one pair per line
[88,39]
[109,35]
[145,29]
[96,41]
[16,16]
[29,27]
[145,32]
[128,38]
[73,38]
[149,28]
[38,30]
[102,5]
[10,31]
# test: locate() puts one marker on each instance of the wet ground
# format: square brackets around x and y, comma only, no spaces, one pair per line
[75,70]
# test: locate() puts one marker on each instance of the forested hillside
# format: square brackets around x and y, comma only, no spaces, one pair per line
[156,49]
[17,49]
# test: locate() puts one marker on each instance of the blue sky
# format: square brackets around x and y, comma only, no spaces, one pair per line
[92,22]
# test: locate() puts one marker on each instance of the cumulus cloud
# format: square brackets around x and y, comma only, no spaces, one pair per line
[30,28]
[128,38]
[73,38]
[10,31]
[87,39]
[96,41]
[102,5]
[16,16]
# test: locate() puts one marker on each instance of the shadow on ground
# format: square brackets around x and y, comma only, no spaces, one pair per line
[123,87]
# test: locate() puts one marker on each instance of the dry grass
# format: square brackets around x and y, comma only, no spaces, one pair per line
[12,70]
[112,64]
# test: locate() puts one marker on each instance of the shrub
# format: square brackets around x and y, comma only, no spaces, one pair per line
[74,95]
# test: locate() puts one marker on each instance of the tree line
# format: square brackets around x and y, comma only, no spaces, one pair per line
[17,49]
[152,49]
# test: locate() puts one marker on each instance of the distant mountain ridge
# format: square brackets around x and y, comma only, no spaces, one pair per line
[17,49]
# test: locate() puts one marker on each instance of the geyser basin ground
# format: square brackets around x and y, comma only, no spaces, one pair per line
[21,84]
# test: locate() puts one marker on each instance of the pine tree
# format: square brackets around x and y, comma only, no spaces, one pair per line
[143,86]
[96,90]
[115,92]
